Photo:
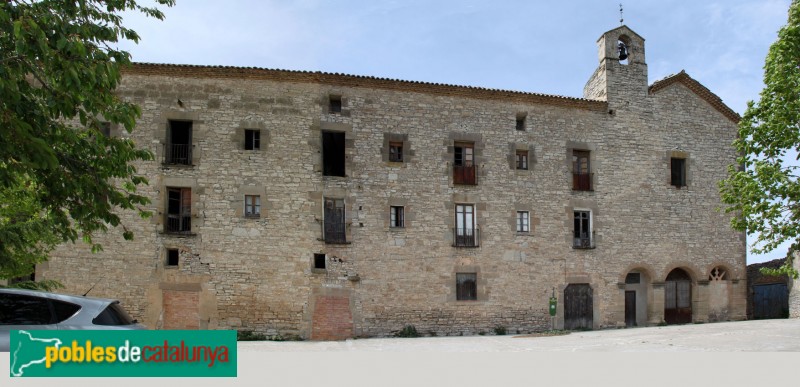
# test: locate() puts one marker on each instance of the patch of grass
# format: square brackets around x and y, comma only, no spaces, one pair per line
[250,336]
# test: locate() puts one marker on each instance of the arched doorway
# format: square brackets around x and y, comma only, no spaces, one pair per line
[578,305]
[678,297]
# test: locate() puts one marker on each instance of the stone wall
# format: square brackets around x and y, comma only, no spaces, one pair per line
[794,290]
[259,273]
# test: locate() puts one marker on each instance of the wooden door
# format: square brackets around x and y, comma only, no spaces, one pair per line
[630,308]
[678,298]
[578,307]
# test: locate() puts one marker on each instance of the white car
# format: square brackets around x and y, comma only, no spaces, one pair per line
[31,309]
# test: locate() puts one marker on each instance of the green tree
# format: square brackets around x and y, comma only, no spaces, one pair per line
[764,192]
[61,178]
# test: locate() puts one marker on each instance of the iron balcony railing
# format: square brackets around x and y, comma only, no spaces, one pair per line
[582,181]
[335,233]
[465,174]
[466,237]
[583,243]
[178,224]
[178,154]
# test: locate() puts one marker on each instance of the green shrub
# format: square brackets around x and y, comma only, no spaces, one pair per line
[500,331]
[407,331]
[250,336]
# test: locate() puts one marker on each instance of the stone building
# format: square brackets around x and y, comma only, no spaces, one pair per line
[330,206]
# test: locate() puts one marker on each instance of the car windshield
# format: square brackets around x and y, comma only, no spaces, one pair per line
[113,314]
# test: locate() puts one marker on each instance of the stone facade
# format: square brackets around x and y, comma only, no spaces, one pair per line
[794,289]
[275,273]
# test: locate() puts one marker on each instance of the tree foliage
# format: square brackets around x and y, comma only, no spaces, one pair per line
[764,193]
[60,178]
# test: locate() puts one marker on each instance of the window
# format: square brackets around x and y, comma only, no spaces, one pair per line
[172,257]
[335,104]
[678,167]
[396,217]
[466,234]
[522,159]
[319,261]
[464,163]
[466,286]
[112,315]
[179,143]
[252,206]
[17,309]
[633,278]
[582,233]
[252,139]
[179,210]
[521,121]
[105,129]
[396,152]
[523,221]
[333,153]
[334,228]
[581,171]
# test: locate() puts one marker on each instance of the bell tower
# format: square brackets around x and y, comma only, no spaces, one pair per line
[622,73]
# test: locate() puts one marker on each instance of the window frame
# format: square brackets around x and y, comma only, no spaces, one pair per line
[581,241]
[397,217]
[396,151]
[523,221]
[252,206]
[467,286]
[678,179]
[184,214]
[521,159]
[335,104]
[252,139]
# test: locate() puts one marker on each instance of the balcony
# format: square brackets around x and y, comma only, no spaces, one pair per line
[178,224]
[335,233]
[178,154]
[466,237]
[583,243]
[582,181]
[465,174]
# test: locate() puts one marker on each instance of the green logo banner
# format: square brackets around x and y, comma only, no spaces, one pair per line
[123,353]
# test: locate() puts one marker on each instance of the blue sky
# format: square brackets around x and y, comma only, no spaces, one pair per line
[534,46]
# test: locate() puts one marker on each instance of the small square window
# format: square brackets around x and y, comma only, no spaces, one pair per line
[522,159]
[252,139]
[521,122]
[335,104]
[172,257]
[523,221]
[252,206]
[396,217]
[105,129]
[319,261]
[678,175]
[466,286]
[396,152]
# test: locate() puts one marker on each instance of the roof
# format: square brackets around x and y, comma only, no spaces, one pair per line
[698,89]
[337,79]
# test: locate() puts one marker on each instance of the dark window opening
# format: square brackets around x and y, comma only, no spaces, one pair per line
[252,139]
[466,286]
[521,122]
[172,257]
[334,231]
[319,261]
[582,233]
[105,129]
[678,167]
[333,153]
[179,210]
[179,144]
[522,159]
[396,217]
[396,152]
[633,278]
[581,171]
[466,233]
[335,104]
